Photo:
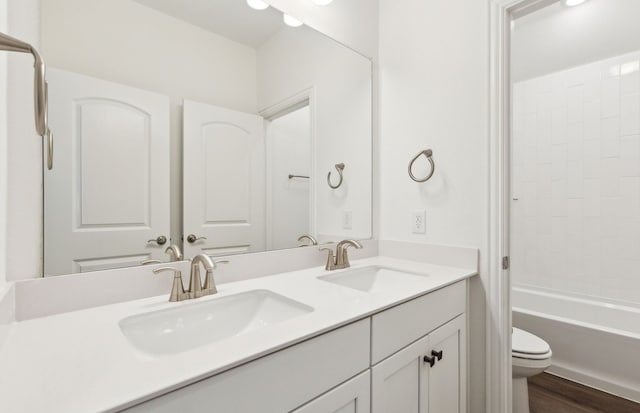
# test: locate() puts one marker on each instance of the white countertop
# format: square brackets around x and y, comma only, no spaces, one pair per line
[80,361]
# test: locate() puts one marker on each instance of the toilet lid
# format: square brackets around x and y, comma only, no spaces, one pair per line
[523,342]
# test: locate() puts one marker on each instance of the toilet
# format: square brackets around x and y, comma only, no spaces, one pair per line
[530,355]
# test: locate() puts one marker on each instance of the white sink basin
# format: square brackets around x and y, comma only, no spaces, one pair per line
[196,324]
[374,279]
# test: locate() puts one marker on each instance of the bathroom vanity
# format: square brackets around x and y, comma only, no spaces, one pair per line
[389,331]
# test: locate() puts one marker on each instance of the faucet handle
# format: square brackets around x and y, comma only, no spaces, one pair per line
[177,290]
[209,283]
[216,262]
[331,262]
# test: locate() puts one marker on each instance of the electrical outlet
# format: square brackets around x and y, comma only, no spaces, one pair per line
[347,219]
[419,221]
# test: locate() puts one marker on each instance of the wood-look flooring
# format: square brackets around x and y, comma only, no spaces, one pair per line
[552,394]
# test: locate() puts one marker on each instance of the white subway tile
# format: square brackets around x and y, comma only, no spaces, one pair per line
[630,155]
[630,114]
[559,198]
[575,103]
[630,195]
[611,96]
[559,161]
[575,177]
[543,181]
[592,198]
[630,77]
[591,119]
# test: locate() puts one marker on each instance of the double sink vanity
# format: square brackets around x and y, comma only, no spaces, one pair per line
[390,330]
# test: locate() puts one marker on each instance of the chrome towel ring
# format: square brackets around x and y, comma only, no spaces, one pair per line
[339,168]
[427,153]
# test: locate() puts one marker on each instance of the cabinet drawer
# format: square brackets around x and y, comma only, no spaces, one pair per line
[399,326]
[279,382]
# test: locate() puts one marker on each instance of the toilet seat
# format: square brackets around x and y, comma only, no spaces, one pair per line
[529,346]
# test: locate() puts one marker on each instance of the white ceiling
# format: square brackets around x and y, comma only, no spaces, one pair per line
[233,19]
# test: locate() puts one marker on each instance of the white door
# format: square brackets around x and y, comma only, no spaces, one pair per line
[288,140]
[447,379]
[401,382]
[223,180]
[108,193]
[350,397]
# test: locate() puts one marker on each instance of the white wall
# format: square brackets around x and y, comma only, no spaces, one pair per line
[557,37]
[3,149]
[434,94]
[138,46]
[576,224]
[341,108]
[288,152]
[24,150]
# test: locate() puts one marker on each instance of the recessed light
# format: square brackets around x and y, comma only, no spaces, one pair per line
[322,2]
[571,3]
[257,4]
[291,21]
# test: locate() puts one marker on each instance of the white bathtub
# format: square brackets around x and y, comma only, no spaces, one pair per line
[594,343]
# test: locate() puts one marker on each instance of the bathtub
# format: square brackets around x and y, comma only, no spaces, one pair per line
[593,343]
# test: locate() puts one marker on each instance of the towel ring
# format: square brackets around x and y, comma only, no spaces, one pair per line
[339,168]
[427,153]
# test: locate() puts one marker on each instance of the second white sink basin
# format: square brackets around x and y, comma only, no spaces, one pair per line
[373,279]
[196,324]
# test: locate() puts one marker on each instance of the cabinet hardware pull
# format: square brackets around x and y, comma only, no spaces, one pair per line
[430,360]
[437,354]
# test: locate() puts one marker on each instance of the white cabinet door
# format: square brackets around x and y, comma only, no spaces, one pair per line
[108,192]
[224,180]
[406,383]
[400,383]
[350,397]
[447,378]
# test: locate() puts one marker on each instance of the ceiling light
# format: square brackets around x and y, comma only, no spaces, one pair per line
[322,2]
[257,4]
[290,21]
[571,3]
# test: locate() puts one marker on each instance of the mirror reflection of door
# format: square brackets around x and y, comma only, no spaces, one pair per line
[289,178]
[111,145]
[223,181]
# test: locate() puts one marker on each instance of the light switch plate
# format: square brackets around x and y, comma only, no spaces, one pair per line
[347,219]
[419,221]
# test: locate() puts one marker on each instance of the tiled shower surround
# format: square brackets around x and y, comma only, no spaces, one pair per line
[576,180]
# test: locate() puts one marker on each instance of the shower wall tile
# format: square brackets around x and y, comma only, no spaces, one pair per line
[630,114]
[576,175]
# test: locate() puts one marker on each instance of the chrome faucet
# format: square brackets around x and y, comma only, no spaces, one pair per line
[308,237]
[196,290]
[174,253]
[341,259]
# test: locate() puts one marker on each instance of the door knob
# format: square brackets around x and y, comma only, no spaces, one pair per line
[161,240]
[191,238]
[437,354]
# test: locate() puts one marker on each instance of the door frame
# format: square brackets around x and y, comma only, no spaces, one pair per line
[306,97]
[499,321]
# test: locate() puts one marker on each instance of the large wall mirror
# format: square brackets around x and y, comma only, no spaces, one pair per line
[202,124]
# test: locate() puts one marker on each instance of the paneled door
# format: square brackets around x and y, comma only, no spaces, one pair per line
[107,197]
[223,181]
